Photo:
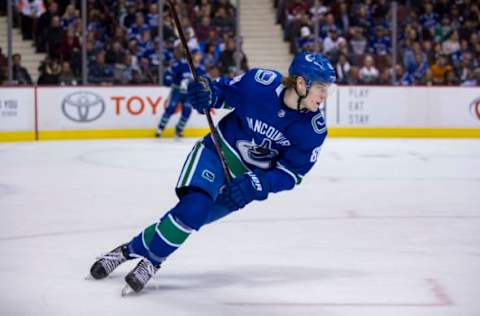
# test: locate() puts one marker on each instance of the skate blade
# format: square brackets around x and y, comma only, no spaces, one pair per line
[88,277]
[127,290]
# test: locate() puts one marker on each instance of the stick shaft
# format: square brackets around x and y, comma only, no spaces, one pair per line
[188,54]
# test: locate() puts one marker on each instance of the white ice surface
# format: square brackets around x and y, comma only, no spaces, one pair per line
[379,227]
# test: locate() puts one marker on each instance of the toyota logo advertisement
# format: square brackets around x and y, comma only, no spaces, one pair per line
[83,106]
[100,108]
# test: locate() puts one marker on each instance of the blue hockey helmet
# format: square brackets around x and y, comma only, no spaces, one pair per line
[313,68]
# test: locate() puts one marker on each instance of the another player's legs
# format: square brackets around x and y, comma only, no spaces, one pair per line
[186,111]
[172,104]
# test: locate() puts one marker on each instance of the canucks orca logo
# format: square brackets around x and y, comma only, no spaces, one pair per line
[318,123]
[261,156]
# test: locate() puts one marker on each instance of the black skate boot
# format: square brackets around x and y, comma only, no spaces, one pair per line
[178,133]
[140,275]
[109,262]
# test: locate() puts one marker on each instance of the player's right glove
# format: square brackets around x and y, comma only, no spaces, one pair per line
[200,94]
[243,190]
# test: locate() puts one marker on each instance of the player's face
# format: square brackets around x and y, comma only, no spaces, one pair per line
[316,96]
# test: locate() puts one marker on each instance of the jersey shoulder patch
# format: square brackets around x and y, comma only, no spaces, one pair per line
[318,123]
[309,132]
[265,77]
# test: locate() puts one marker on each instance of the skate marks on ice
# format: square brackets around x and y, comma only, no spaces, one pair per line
[238,280]
[348,215]
[294,290]
[244,276]
[144,158]
[6,189]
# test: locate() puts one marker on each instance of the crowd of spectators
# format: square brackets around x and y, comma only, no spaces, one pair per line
[437,43]
[122,39]
[438,40]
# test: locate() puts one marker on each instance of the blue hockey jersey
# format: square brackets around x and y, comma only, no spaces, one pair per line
[178,75]
[263,133]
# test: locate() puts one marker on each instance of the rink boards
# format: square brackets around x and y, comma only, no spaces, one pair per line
[29,113]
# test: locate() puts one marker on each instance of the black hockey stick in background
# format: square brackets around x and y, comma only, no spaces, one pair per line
[213,131]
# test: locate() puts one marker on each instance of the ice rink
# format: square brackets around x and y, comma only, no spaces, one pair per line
[379,227]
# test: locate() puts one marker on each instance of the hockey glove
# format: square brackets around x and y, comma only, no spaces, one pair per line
[243,190]
[200,94]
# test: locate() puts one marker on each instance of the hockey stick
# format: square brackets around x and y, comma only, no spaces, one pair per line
[213,131]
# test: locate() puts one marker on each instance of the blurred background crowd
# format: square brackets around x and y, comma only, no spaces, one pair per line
[437,40]
[122,40]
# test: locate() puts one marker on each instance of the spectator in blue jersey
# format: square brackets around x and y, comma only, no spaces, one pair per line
[429,20]
[305,39]
[100,72]
[271,140]
[146,46]
[380,46]
[151,18]
[466,67]
[123,72]
[177,77]
[402,77]
[138,28]
[70,17]
[420,68]
[210,57]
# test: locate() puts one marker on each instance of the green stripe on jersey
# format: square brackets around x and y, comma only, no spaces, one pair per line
[234,163]
[190,164]
[148,234]
[172,232]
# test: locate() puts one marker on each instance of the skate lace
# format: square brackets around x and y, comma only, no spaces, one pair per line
[112,260]
[144,271]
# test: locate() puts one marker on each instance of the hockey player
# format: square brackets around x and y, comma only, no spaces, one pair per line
[271,139]
[177,77]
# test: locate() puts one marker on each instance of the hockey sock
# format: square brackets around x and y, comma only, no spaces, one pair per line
[187,110]
[159,240]
[163,121]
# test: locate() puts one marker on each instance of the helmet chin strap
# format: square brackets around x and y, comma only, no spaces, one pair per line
[300,98]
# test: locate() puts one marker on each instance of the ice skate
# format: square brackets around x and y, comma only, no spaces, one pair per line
[178,134]
[109,262]
[139,276]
